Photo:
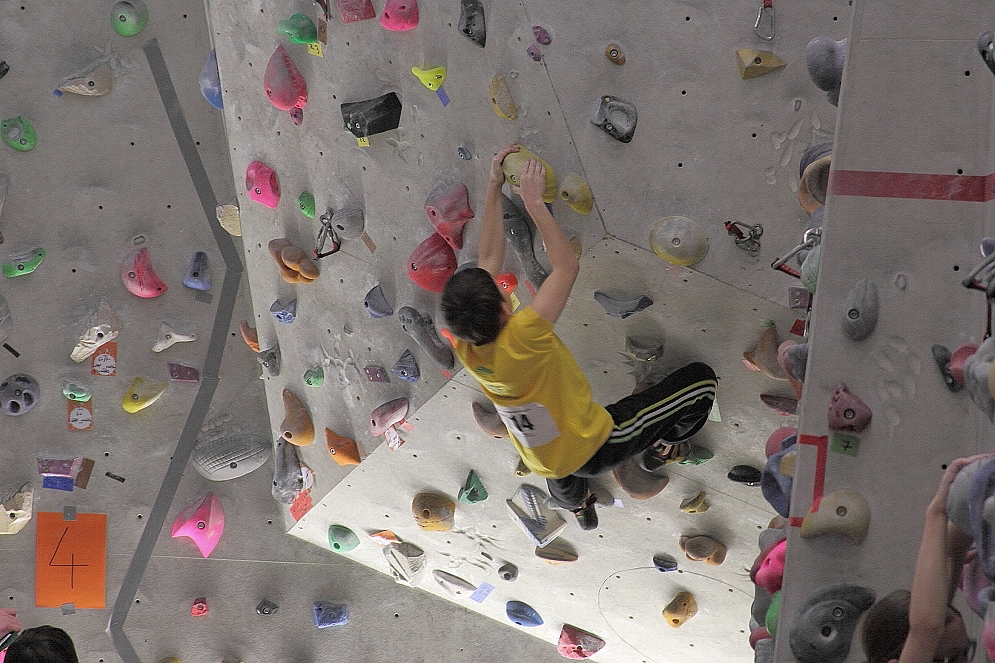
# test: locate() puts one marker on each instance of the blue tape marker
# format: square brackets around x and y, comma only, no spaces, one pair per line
[58,483]
[443,97]
[483,591]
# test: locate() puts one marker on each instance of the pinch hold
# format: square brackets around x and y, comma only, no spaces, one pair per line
[847,413]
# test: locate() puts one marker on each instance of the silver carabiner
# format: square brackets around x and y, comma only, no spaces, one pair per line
[764,26]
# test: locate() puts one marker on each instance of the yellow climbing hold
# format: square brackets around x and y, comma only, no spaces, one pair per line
[681,609]
[141,394]
[430,78]
[501,99]
[753,63]
[575,191]
[679,240]
[512,167]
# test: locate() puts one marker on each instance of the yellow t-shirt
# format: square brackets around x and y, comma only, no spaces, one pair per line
[541,394]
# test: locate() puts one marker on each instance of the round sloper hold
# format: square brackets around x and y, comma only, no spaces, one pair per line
[512,167]
[349,222]
[406,367]
[814,153]
[575,192]
[18,394]
[522,614]
[139,277]
[508,572]
[824,58]
[860,310]
[230,456]
[376,304]
[744,474]
[614,54]
[94,82]
[703,548]
[341,538]
[637,482]
[129,17]
[342,449]
[678,240]
[284,85]
[472,24]
[454,584]
[432,263]
[778,439]
[262,186]
[576,643]
[682,608]
[330,614]
[399,15]
[210,81]
[823,627]
[18,133]
[141,394]
[616,117]
[815,179]
[448,209]
[847,413]
[297,426]
[844,512]
[433,513]
[980,515]
[388,414]
[288,478]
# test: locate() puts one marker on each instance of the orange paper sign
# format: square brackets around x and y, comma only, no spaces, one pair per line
[79,415]
[104,362]
[71,560]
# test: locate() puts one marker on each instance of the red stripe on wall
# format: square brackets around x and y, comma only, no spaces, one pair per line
[821,443]
[916,186]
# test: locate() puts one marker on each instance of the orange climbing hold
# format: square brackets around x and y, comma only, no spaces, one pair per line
[703,549]
[297,427]
[249,335]
[343,450]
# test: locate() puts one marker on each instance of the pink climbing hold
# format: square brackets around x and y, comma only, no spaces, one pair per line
[957,359]
[576,643]
[448,210]
[388,414]
[284,85]
[139,277]
[355,10]
[203,522]
[261,184]
[847,413]
[770,572]
[776,438]
[399,15]
[432,263]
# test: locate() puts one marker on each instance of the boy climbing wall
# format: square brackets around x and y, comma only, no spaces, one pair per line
[536,385]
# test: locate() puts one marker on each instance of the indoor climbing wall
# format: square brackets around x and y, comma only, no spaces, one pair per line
[906,213]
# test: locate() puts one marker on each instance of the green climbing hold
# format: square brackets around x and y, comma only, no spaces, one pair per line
[314,377]
[773,612]
[305,202]
[299,29]
[18,133]
[697,456]
[341,538]
[75,391]
[810,268]
[24,263]
[473,490]
[129,17]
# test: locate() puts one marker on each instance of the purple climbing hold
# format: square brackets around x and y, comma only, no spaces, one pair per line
[406,367]
[847,413]
[330,614]
[182,373]
[541,35]
[534,53]
[376,304]
[198,276]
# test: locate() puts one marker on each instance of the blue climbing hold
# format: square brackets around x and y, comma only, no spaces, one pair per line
[522,614]
[406,367]
[376,303]
[285,313]
[330,614]
[210,81]
[198,276]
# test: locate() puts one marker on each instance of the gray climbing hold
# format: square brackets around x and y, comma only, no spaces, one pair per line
[522,614]
[376,304]
[6,322]
[285,312]
[980,508]
[348,222]
[823,627]
[860,310]
[486,416]
[976,370]
[617,308]
[518,230]
[942,356]
[454,584]
[406,367]
[267,607]
[330,614]
[985,41]
[472,24]
[406,561]
[763,651]
[198,276]
[797,355]
[422,329]
[231,456]
[508,572]
[270,360]
[288,478]
[812,154]
[824,59]
[774,485]
[18,394]
[616,117]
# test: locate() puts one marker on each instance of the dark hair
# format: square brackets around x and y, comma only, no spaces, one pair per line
[42,644]
[886,626]
[471,306]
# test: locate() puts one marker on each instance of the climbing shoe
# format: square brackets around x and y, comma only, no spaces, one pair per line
[586,514]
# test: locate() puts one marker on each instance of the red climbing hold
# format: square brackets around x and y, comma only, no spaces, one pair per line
[355,10]
[139,277]
[432,263]
[399,15]
[448,210]
[199,607]
[576,643]
[283,83]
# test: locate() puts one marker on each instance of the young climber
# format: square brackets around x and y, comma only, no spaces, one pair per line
[539,390]
[41,644]
[921,626]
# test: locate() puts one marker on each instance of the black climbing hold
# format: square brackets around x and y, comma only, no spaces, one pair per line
[616,117]
[267,607]
[519,232]
[984,47]
[373,116]
[4,68]
[744,474]
[406,367]
[471,22]
[622,309]
[942,356]
[508,572]
[664,563]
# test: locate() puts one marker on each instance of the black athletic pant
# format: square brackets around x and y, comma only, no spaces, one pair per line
[672,410]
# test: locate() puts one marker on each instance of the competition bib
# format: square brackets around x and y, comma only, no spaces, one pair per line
[531,424]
